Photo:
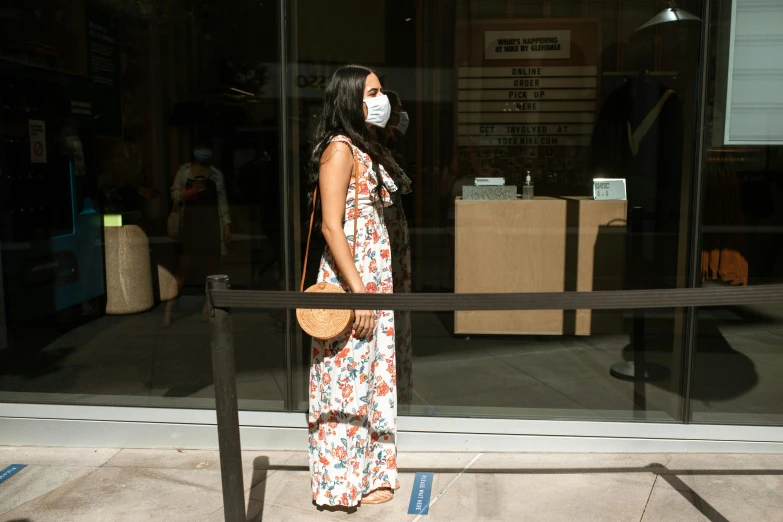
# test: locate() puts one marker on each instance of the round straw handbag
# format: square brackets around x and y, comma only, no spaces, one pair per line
[319,323]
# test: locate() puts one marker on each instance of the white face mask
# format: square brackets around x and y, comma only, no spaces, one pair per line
[378,110]
[405,121]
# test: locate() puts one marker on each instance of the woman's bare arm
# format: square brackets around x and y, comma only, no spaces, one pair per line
[333,180]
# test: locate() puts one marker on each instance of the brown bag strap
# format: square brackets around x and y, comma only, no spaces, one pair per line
[355,218]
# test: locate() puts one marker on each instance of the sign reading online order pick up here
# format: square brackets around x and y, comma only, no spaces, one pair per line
[420,496]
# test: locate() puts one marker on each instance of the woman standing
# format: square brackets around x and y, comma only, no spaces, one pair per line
[397,225]
[206,221]
[353,406]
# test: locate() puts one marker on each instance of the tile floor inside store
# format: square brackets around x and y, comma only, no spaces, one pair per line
[131,360]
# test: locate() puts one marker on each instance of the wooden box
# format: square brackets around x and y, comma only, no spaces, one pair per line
[543,245]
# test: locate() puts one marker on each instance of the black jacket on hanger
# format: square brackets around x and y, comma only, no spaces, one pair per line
[654,173]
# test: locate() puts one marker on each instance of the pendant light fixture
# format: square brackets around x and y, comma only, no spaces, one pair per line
[670,14]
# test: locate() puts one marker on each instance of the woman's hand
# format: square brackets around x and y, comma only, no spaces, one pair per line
[364,323]
[227,237]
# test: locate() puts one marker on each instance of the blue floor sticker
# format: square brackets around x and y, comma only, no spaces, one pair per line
[10,471]
[420,496]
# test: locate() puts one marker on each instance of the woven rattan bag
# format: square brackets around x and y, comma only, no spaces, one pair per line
[319,323]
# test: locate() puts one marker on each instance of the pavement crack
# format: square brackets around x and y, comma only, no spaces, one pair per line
[644,512]
[120,450]
[210,516]
[269,473]
[146,472]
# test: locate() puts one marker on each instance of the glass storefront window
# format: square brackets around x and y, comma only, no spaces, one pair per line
[737,368]
[106,108]
[111,213]
[559,93]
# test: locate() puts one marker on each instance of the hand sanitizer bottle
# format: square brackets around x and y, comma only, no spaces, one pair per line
[527,188]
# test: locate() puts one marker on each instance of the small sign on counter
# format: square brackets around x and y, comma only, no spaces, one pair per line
[37,130]
[605,189]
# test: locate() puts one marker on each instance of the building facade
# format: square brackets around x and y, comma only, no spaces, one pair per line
[102,336]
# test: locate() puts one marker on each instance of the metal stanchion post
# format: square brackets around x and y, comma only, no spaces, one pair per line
[634,276]
[638,370]
[224,372]
[638,339]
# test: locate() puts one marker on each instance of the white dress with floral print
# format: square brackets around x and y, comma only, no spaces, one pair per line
[353,396]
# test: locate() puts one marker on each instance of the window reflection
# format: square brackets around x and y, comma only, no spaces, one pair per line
[110,214]
[102,295]
[736,371]
[549,91]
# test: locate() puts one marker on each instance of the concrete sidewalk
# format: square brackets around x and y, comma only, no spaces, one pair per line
[112,485]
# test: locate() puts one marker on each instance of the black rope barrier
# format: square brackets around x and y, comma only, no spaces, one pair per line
[222,300]
[422,302]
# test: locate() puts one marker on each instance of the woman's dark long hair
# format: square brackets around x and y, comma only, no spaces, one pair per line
[342,114]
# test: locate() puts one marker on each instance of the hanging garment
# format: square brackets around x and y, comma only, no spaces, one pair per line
[638,136]
[635,137]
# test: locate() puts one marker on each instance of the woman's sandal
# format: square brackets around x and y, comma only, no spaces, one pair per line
[378,496]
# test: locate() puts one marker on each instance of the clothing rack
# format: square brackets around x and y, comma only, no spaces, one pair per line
[724,256]
[636,73]
[729,160]
[734,155]
[625,75]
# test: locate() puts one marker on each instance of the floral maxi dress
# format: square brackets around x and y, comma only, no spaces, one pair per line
[353,396]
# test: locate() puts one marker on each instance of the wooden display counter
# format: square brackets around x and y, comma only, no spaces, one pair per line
[543,245]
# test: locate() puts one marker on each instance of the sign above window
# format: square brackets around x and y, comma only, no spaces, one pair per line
[527,45]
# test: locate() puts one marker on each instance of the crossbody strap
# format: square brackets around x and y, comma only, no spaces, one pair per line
[355,218]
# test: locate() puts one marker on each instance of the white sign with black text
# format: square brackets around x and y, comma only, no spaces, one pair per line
[569,71]
[37,129]
[605,189]
[523,141]
[542,129]
[527,45]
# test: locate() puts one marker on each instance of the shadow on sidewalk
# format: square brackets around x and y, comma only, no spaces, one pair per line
[255,503]
[672,476]
[706,509]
